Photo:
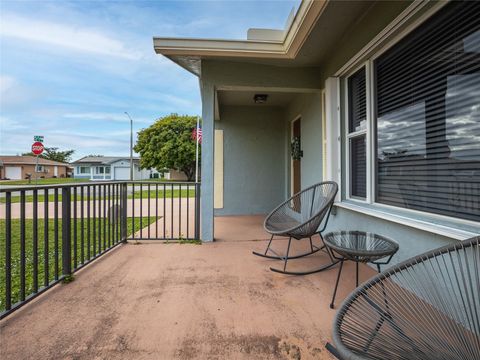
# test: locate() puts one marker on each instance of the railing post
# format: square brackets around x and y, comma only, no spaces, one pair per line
[123,212]
[8,251]
[197,211]
[66,232]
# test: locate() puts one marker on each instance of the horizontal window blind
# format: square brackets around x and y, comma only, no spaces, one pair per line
[428,116]
[358,159]
[357,101]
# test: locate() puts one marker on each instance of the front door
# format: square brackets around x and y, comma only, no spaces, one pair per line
[295,164]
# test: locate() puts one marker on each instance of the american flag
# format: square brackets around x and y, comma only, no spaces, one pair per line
[198,134]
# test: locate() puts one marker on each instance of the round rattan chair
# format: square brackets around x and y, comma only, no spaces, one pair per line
[427,307]
[300,217]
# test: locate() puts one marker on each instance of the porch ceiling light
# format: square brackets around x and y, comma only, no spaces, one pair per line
[260,98]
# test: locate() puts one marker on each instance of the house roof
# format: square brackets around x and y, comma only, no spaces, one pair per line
[309,38]
[103,160]
[260,43]
[28,160]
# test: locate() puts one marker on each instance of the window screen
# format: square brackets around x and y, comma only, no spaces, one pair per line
[357,117]
[358,159]
[357,101]
[428,116]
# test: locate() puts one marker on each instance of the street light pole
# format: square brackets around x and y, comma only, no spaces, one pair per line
[131,146]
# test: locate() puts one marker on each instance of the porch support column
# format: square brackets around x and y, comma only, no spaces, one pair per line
[207,173]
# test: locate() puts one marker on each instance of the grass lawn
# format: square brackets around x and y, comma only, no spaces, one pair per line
[101,235]
[52,181]
[168,193]
[51,197]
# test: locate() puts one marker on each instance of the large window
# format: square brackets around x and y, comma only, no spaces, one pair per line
[425,118]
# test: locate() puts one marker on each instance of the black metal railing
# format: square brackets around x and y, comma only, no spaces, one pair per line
[49,232]
[166,211]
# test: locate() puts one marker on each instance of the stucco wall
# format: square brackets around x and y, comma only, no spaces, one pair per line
[242,124]
[309,107]
[254,159]
[412,241]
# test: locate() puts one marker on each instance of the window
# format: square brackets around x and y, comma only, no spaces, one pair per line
[422,116]
[357,125]
[99,170]
[107,170]
[83,169]
[428,116]
[40,168]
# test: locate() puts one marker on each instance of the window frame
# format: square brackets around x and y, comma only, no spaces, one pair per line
[367,61]
[356,134]
[80,167]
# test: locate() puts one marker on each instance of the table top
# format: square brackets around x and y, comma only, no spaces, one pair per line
[360,244]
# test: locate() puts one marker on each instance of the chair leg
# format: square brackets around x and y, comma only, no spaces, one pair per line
[336,284]
[286,256]
[326,248]
[356,267]
[268,247]
[333,350]
[276,256]
[308,272]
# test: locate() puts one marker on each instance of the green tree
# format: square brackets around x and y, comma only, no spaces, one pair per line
[168,144]
[52,153]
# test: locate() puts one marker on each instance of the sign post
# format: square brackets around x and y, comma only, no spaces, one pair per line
[37,149]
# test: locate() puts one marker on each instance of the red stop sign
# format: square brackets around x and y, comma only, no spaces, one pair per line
[37,148]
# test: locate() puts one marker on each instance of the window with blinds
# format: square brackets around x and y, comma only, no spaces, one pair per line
[428,116]
[357,119]
[357,101]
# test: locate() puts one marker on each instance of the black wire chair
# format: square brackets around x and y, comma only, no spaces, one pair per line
[427,307]
[300,218]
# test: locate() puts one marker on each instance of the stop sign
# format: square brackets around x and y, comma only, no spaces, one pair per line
[37,148]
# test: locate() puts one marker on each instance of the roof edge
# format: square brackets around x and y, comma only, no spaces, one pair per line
[307,15]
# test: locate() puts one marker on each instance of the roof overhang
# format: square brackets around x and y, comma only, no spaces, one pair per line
[187,52]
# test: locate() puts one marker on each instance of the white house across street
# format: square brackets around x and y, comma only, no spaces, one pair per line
[110,168]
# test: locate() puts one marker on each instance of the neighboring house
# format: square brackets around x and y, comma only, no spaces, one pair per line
[384,96]
[23,167]
[109,168]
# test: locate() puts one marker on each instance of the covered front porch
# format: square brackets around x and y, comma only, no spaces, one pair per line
[182,301]
[255,168]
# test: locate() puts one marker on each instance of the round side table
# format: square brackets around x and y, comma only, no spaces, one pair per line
[360,247]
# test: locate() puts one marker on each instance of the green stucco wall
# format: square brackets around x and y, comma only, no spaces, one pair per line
[256,141]
[309,108]
[254,159]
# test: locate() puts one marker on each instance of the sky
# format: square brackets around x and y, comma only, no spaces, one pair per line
[70,69]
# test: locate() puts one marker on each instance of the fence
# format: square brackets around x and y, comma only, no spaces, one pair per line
[49,232]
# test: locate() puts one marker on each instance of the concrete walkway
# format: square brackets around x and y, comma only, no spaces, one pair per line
[173,301]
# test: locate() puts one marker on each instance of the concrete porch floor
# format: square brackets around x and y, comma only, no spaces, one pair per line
[173,301]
